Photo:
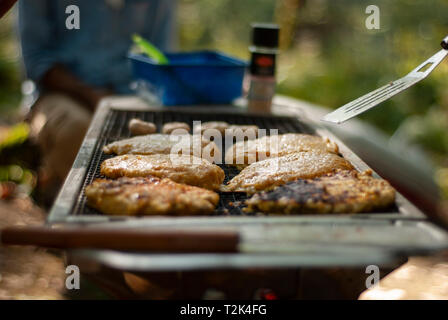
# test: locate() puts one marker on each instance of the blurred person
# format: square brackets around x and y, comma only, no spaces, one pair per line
[74,68]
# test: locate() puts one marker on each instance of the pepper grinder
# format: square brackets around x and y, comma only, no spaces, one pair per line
[264,50]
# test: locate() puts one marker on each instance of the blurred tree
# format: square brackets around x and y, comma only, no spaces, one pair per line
[286,16]
[9,66]
[329,57]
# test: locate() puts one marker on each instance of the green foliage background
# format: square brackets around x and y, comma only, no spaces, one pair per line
[9,66]
[329,56]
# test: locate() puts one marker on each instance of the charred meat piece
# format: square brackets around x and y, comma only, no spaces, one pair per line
[269,173]
[182,169]
[250,151]
[341,192]
[165,144]
[149,196]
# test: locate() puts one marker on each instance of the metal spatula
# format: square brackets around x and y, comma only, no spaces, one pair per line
[374,98]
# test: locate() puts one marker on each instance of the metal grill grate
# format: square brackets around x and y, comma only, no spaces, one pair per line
[116,128]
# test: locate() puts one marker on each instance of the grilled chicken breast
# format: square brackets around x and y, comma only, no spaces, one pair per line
[182,169]
[165,144]
[341,192]
[149,196]
[269,173]
[250,151]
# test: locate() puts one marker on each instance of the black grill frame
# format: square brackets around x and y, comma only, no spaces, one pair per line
[110,124]
[266,241]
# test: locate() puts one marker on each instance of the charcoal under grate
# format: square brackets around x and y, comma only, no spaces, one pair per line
[116,128]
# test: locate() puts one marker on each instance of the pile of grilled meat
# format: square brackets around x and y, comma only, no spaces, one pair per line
[156,174]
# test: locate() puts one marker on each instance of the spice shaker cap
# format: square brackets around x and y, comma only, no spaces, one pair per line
[265,35]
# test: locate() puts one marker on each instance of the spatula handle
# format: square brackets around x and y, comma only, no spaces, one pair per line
[122,239]
[444,43]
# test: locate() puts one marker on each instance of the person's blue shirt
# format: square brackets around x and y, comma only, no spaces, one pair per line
[95,53]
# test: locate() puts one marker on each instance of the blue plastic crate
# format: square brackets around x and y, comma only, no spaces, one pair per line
[205,77]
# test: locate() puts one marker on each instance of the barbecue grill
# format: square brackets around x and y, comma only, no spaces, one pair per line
[274,241]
